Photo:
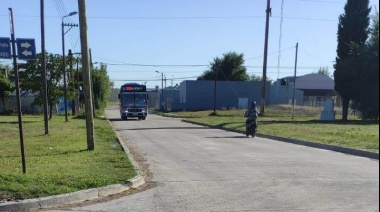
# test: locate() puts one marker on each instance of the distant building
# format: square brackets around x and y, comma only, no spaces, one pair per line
[316,88]
[310,89]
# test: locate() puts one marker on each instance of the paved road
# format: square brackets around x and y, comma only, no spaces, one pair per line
[195,168]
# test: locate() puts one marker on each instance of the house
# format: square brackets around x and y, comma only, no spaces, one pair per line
[316,88]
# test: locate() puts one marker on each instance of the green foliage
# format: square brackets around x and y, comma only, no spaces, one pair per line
[31,80]
[324,71]
[6,88]
[229,68]
[367,102]
[101,87]
[256,78]
[353,31]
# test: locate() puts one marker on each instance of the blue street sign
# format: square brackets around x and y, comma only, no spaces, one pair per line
[5,48]
[26,49]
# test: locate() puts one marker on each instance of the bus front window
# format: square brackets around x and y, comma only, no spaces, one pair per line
[140,100]
[129,100]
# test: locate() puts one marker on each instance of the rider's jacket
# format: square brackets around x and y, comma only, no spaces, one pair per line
[252,113]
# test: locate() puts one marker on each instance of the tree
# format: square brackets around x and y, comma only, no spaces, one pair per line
[324,71]
[31,79]
[353,29]
[367,102]
[256,78]
[6,88]
[101,87]
[229,68]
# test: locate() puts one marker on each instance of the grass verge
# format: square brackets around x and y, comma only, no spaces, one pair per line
[305,125]
[58,162]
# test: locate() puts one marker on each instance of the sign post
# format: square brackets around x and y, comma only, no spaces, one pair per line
[5,48]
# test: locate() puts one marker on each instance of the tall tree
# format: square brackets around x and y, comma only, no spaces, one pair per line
[228,68]
[101,86]
[6,88]
[31,79]
[324,71]
[257,78]
[367,102]
[353,29]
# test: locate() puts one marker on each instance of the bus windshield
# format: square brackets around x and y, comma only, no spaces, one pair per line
[133,99]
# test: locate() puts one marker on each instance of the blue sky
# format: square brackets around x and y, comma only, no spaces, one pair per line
[179,38]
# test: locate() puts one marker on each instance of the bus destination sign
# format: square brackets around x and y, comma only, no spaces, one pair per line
[130,88]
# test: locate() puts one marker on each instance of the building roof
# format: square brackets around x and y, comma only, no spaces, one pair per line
[313,82]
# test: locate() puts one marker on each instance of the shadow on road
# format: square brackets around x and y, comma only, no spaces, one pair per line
[167,128]
[239,136]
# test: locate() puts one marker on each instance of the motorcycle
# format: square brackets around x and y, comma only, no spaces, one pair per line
[251,127]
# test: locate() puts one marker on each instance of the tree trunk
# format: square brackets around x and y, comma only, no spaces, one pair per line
[3,100]
[345,104]
[73,107]
[50,111]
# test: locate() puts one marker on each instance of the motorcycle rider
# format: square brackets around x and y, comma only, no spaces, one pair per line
[252,114]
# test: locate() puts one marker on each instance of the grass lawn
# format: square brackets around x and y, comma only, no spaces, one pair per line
[305,125]
[58,162]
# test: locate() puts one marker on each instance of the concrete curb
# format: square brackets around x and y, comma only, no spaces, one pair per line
[79,196]
[345,150]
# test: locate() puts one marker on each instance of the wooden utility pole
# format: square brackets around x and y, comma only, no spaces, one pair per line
[268,11]
[72,79]
[92,83]
[294,79]
[86,75]
[43,67]
[17,82]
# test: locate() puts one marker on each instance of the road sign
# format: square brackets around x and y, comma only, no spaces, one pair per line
[26,49]
[5,48]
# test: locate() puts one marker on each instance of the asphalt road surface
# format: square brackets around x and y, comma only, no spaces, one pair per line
[194,168]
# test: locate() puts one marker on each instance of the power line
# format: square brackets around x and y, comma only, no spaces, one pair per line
[186,18]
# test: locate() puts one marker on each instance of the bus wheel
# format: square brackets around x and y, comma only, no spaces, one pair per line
[143,118]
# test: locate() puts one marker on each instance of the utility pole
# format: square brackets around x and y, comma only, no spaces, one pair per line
[166,103]
[72,78]
[92,84]
[268,11]
[294,84]
[216,78]
[15,67]
[162,92]
[63,58]
[43,67]
[86,75]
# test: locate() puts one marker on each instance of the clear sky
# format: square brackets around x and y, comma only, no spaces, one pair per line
[136,38]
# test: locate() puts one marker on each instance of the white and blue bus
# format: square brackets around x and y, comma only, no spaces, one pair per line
[133,101]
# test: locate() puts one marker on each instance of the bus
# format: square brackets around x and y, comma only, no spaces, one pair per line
[133,99]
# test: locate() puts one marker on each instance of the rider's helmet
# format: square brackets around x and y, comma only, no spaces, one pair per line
[253,104]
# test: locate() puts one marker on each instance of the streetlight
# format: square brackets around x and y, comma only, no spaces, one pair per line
[162,90]
[63,58]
